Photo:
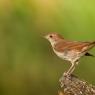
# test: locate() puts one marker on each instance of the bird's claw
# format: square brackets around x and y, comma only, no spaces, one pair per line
[61,80]
[65,74]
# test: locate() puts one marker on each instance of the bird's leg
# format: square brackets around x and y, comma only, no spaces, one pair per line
[76,63]
[69,72]
[71,69]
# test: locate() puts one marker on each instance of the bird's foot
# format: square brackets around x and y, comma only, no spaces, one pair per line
[65,74]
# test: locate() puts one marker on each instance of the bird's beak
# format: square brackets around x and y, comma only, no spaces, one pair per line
[45,37]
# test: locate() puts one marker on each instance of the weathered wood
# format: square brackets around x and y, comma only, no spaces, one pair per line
[72,85]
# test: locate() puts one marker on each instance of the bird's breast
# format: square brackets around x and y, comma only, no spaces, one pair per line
[62,55]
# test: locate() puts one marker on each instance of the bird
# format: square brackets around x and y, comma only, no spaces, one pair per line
[68,50]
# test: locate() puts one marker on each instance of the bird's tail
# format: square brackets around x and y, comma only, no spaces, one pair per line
[92,44]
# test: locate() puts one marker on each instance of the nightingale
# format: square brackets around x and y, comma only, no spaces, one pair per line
[71,51]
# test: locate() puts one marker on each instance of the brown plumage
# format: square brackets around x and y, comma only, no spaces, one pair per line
[69,50]
[77,46]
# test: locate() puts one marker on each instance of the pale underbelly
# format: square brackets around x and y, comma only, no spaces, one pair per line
[70,55]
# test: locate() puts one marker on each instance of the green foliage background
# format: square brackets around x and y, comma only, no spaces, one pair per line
[28,65]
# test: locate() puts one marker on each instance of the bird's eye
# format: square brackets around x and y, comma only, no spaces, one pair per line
[51,36]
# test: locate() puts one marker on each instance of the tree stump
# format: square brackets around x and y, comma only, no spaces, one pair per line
[72,85]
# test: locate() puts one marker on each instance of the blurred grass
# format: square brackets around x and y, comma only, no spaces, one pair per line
[28,65]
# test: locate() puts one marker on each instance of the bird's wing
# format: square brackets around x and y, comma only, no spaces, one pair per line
[82,46]
[73,45]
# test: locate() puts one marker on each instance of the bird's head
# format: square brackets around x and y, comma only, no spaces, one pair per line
[53,37]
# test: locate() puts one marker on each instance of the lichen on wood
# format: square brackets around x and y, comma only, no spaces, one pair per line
[72,85]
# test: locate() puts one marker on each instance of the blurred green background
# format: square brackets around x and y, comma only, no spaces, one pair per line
[28,65]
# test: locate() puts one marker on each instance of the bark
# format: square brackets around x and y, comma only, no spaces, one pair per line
[72,85]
